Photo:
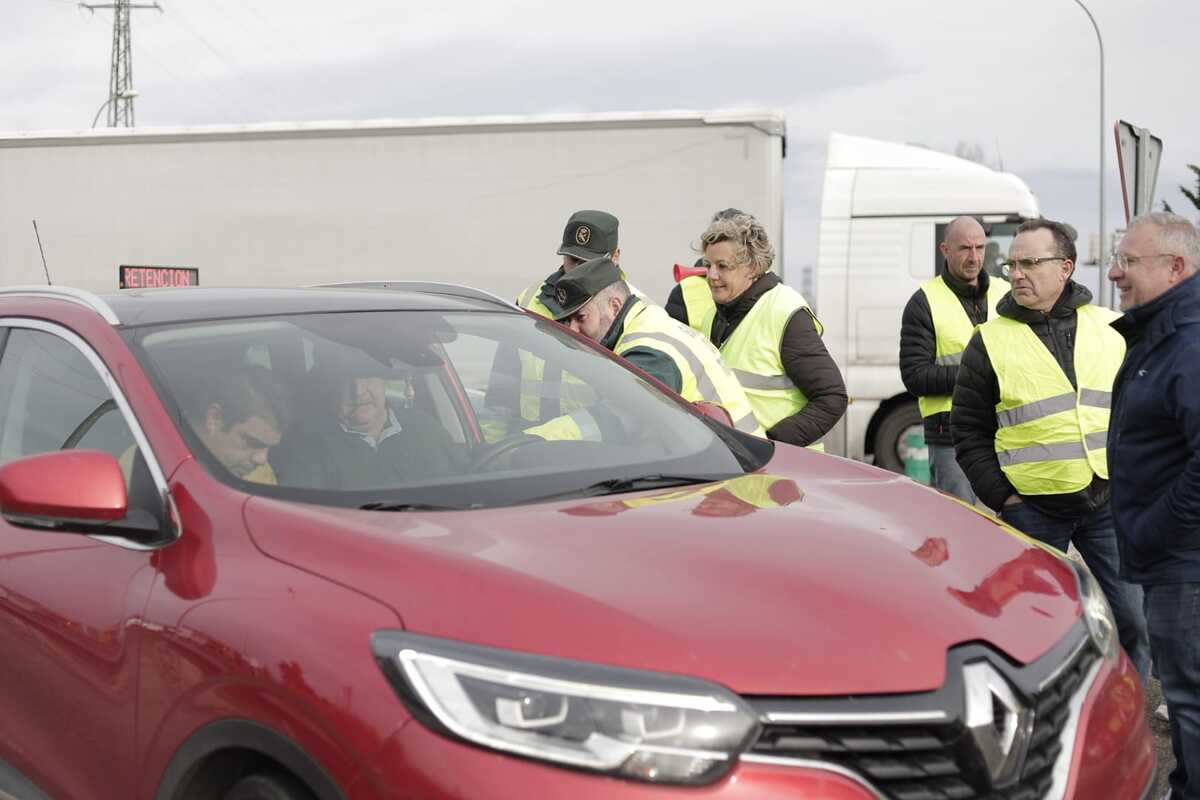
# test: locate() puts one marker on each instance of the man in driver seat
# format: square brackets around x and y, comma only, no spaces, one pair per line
[596,302]
[366,442]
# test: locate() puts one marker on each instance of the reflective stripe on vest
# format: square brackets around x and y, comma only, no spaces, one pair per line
[698,300]
[752,352]
[704,375]
[952,329]
[577,426]
[1051,437]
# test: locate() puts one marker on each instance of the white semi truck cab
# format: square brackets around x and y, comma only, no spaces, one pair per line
[884,210]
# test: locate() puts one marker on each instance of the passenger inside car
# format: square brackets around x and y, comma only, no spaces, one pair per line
[239,418]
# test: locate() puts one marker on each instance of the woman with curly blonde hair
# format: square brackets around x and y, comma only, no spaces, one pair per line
[768,335]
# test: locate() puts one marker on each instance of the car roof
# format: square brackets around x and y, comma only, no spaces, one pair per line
[189,304]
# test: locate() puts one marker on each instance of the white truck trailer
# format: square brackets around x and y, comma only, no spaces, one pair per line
[884,209]
[479,201]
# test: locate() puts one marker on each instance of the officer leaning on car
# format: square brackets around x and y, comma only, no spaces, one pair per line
[1031,410]
[1155,454]
[937,323]
[596,302]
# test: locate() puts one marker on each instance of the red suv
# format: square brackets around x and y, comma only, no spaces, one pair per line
[343,543]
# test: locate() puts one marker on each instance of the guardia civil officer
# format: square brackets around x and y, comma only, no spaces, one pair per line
[589,234]
[768,335]
[1031,410]
[937,323]
[596,302]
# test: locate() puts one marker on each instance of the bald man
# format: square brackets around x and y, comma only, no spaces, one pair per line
[937,324]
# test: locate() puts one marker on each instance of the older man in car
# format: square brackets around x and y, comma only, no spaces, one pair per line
[361,440]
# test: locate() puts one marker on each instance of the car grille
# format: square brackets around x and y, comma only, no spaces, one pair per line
[933,761]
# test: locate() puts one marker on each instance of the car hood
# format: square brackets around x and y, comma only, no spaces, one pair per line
[819,576]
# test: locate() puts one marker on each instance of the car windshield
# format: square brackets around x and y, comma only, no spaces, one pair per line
[402,410]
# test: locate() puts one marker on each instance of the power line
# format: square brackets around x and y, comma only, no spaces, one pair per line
[120,81]
[263,96]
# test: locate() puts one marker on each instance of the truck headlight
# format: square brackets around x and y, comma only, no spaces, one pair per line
[643,725]
[1101,625]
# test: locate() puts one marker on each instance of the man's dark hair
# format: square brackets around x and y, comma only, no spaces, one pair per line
[247,392]
[1064,235]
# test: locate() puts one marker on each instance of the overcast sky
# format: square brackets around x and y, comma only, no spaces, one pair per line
[1018,79]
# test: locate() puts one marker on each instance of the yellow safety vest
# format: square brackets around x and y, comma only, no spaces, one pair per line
[572,393]
[705,375]
[752,352]
[531,299]
[697,299]
[952,328]
[578,426]
[1051,437]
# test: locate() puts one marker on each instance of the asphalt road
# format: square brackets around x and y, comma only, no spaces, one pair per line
[1162,740]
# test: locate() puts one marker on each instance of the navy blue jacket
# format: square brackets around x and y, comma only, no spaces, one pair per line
[1154,439]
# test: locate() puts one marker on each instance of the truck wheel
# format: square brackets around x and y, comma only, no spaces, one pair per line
[268,786]
[890,446]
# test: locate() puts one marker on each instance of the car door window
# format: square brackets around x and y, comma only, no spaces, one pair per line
[51,398]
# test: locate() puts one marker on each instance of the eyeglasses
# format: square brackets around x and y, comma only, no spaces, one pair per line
[1125,261]
[1026,264]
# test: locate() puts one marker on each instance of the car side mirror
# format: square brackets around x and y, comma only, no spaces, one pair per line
[714,411]
[80,491]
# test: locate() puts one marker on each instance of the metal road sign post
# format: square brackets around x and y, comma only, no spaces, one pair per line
[1139,154]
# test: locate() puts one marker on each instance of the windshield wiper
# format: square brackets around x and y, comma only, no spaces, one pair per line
[652,481]
[390,506]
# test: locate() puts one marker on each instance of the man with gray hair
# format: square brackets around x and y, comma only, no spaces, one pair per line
[1154,451]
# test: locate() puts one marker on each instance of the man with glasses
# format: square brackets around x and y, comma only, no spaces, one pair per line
[1031,410]
[1155,458]
[937,323]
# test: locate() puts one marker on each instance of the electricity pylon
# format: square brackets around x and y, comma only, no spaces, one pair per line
[120,82]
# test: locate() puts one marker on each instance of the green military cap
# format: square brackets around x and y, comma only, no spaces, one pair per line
[577,287]
[589,234]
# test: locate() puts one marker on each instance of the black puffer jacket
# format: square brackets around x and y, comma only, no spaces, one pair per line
[675,305]
[973,418]
[918,349]
[805,361]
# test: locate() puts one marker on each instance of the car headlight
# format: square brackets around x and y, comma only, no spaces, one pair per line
[1101,625]
[643,725]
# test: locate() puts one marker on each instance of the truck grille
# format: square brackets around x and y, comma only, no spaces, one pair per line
[933,761]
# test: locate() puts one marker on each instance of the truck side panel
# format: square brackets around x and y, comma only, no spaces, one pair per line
[480,206]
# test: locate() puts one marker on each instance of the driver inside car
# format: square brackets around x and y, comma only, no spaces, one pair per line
[357,439]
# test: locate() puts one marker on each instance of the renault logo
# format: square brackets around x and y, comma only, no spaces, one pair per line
[997,721]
